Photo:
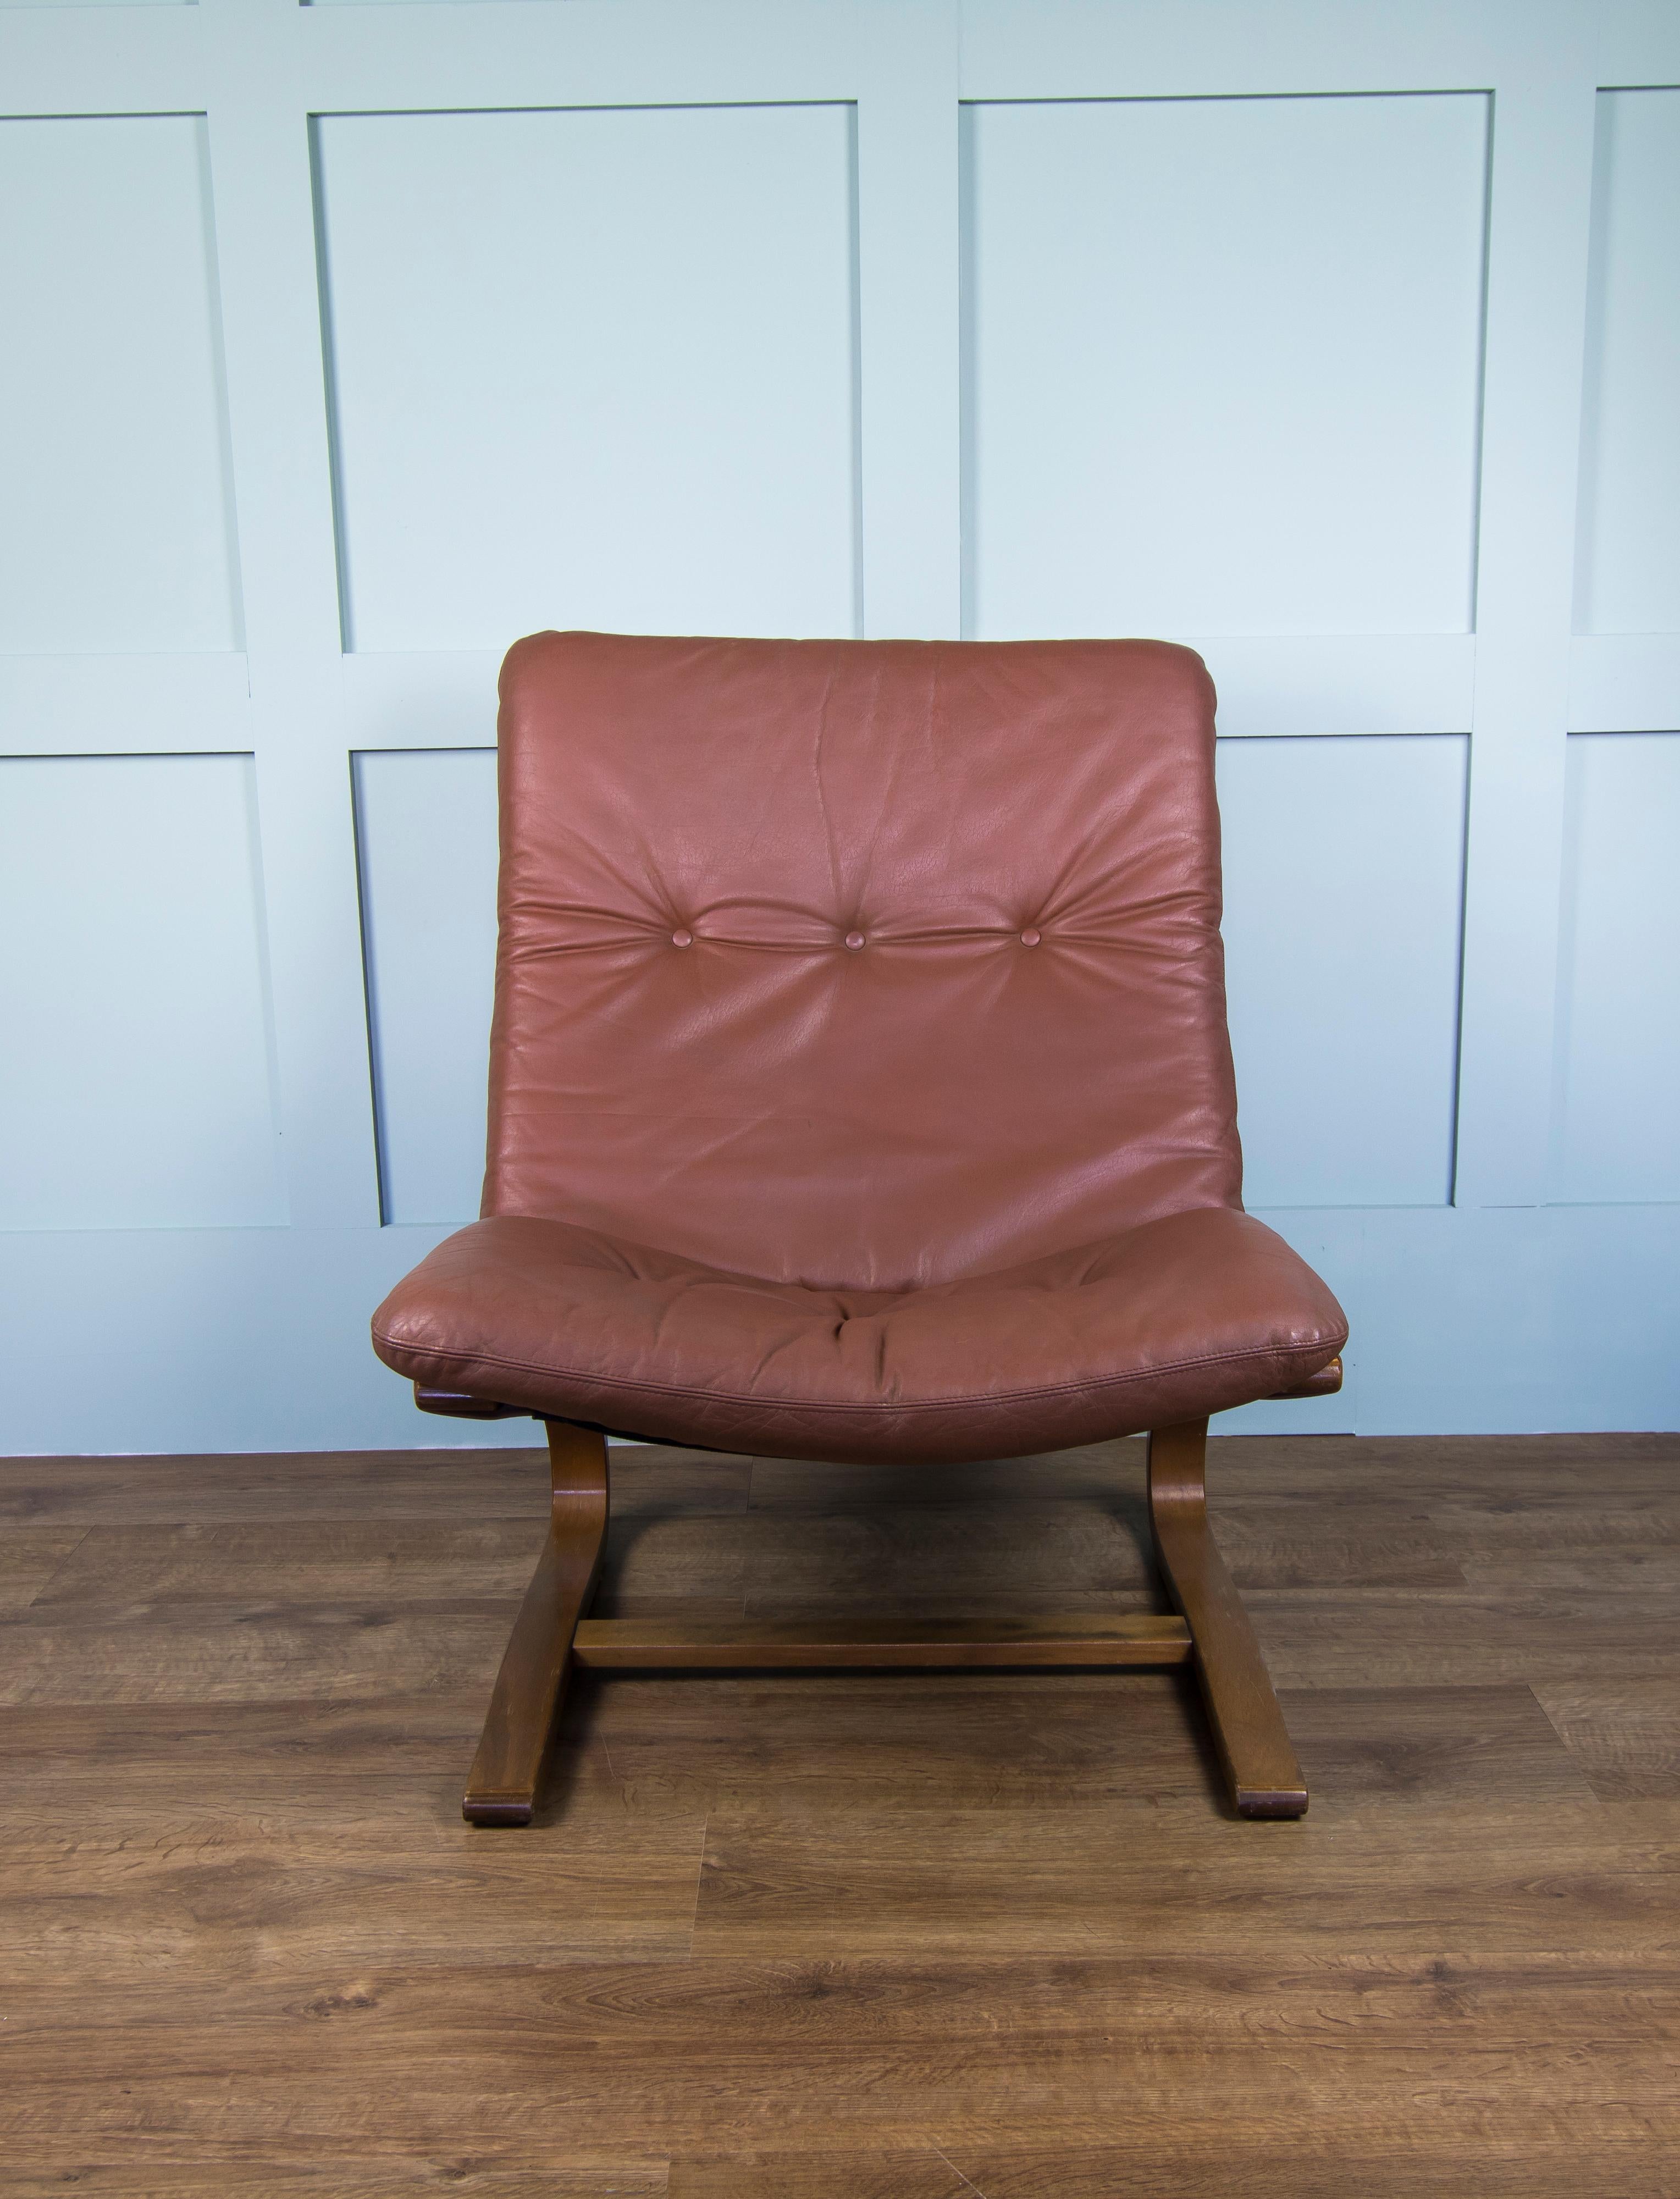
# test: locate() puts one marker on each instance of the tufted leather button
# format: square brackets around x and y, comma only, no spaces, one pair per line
[854,940]
[1031,938]
[682,939]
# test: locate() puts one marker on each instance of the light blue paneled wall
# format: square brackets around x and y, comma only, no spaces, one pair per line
[1628,567]
[345,344]
[426,833]
[139,1092]
[1261,319]
[1619,1018]
[599,359]
[1343,859]
[95,4]
[115,482]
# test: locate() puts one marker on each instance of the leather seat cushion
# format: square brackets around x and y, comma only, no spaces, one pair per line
[1181,1315]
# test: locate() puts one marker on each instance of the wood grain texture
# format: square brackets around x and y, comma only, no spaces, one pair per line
[1262,1774]
[1039,1639]
[860,1936]
[513,1749]
[1623,1734]
[30,1559]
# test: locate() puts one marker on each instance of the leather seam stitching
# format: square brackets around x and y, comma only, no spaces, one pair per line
[811,1405]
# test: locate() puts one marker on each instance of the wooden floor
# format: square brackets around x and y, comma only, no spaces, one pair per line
[864,1938]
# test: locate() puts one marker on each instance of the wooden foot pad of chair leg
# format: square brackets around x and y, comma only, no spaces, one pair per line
[1251,1803]
[485,1809]
[502,1786]
[1261,1771]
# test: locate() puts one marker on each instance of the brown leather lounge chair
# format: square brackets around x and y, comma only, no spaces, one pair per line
[859,1089]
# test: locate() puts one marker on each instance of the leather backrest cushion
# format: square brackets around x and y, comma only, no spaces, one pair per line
[686,1051]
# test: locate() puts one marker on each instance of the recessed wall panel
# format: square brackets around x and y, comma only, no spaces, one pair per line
[1222,364]
[139,1090]
[1619,1023]
[1628,568]
[592,368]
[114,476]
[1344,863]
[426,832]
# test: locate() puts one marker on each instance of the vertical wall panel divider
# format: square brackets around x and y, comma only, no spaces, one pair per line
[271,305]
[910,487]
[1496,1311]
[1540,198]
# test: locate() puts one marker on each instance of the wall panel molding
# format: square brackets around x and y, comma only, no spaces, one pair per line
[277,409]
[1222,364]
[426,846]
[1461,1313]
[1627,577]
[488,54]
[1617,1130]
[590,368]
[1344,870]
[114,472]
[131,895]
[1539,195]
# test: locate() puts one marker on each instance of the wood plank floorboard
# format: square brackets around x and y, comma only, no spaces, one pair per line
[871,1937]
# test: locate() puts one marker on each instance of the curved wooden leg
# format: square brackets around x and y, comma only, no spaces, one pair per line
[1260,1768]
[507,1770]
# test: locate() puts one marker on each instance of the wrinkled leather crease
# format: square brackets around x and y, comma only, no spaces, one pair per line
[859,1081]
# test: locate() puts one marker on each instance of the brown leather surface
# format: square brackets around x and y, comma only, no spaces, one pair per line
[878,986]
[938,1101]
[1183,1316]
